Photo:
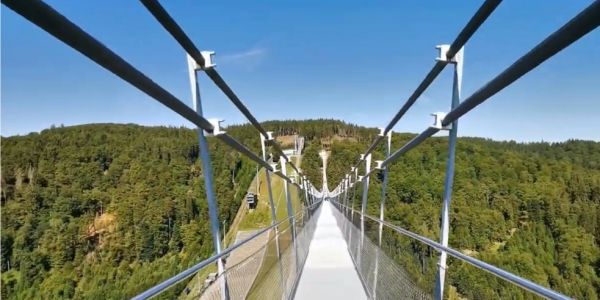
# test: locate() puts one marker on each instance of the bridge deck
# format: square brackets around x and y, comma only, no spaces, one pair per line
[329,272]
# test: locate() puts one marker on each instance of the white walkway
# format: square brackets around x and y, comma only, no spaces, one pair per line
[329,272]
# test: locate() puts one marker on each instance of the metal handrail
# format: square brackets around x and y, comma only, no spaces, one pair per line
[159,288]
[517,280]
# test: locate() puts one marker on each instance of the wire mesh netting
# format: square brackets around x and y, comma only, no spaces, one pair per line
[386,272]
[267,267]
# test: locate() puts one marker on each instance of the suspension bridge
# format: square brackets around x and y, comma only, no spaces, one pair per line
[330,247]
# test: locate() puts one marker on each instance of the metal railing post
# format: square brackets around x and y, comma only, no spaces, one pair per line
[263,143]
[356,180]
[343,210]
[207,168]
[365,196]
[350,208]
[457,60]
[384,185]
[302,192]
[305,184]
[381,211]
[346,194]
[290,208]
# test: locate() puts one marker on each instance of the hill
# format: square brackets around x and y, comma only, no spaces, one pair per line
[105,211]
[532,209]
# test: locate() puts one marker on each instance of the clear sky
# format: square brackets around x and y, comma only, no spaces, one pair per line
[352,60]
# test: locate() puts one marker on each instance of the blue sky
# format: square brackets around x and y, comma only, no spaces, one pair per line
[352,60]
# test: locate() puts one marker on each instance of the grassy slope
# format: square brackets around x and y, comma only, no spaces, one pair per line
[266,282]
[259,218]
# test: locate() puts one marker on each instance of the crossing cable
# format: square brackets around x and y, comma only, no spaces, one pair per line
[465,34]
[45,17]
[580,25]
[169,24]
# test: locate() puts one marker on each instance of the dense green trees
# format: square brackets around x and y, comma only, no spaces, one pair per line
[105,211]
[533,209]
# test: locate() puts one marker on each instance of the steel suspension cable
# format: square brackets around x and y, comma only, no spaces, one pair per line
[45,17]
[169,24]
[163,17]
[586,21]
[582,24]
[465,34]
[59,26]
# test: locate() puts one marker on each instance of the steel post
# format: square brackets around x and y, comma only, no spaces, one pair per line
[381,213]
[351,208]
[263,143]
[305,184]
[290,209]
[346,187]
[288,198]
[384,185]
[208,176]
[343,210]
[449,179]
[355,170]
[365,196]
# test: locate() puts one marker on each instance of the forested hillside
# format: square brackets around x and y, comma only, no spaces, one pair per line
[105,211]
[533,209]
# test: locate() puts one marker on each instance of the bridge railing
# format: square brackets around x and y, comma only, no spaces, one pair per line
[583,23]
[265,265]
[408,259]
[383,274]
[57,25]
[44,16]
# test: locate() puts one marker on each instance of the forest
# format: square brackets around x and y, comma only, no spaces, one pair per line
[530,208]
[104,211]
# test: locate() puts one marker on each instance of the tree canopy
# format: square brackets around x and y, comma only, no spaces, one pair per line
[105,210]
